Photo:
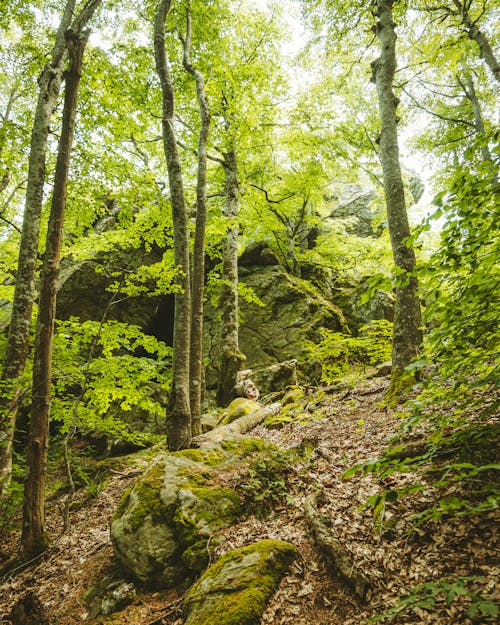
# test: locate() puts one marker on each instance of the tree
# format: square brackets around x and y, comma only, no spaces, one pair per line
[245,87]
[465,14]
[231,360]
[179,431]
[34,539]
[198,266]
[407,334]
[20,323]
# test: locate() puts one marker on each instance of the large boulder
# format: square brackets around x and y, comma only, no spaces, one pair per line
[236,589]
[162,526]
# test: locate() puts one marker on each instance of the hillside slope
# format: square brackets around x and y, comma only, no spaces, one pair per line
[338,428]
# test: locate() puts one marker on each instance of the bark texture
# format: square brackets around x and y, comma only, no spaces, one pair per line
[231,359]
[178,412]
[33,536]
[407,335]
[198,267]
[20,323]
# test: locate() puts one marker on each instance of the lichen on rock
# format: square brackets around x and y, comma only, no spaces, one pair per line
[236,589]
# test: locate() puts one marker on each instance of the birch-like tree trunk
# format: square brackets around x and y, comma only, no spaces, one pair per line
[178,411]
[24,294]
[231,359]
[33,536]
[407,332]
[198,268]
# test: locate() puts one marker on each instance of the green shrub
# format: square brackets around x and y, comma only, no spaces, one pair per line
[339,353]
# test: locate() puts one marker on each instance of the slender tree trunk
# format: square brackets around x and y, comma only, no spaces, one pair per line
[198,267]
[178,412]
[34,538]
[20,322]
[407,335]
[467,85]
[231,359]
[475,34]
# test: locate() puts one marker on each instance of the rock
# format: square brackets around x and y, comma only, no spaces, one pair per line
[239,407]
[383,370]
[258,253]
[355,207]
[292,396]
[310,372]
[109,596]
[236,589]
[293,315]
[209,420]
[244,386]
[358,313]
[83,289]
[160,530]
[276,377]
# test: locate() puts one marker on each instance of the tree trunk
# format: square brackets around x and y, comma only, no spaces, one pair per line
[231,359]
[470,93]
[20,322]
[485,49]
[34,539]
[407,333]
[178,411]
[198,268]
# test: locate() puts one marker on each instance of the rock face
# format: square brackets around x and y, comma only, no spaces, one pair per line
[294,311]
[380,306]
[160,530]
[82,292]
[355,207]
[236,589]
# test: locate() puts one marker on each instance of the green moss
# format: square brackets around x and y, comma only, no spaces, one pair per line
[145,495]
[122,506]
[197,516]
[194,476]
[212,457]
[236,589]
[244,446]
[209,507]
[239,407]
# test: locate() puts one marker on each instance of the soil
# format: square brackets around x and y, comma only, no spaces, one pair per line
[385,543]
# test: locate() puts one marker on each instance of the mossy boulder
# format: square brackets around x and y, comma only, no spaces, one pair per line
[161,528]
[239,407]
[236,589]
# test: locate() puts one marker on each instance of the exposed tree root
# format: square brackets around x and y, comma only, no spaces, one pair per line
[332,548]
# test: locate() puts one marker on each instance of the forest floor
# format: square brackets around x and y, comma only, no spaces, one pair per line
[393,552]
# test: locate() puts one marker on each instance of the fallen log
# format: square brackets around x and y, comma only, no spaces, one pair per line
[238,426]
[332,548]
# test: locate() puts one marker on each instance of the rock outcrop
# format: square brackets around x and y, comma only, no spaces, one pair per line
[293,314]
